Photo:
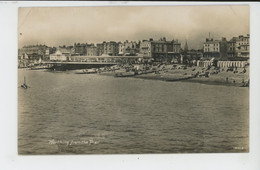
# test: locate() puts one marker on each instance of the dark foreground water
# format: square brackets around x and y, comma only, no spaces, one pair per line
[66,113]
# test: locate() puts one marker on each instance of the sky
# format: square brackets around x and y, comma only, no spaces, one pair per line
[54,26]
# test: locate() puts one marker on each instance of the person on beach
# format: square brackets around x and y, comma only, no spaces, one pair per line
[227,79]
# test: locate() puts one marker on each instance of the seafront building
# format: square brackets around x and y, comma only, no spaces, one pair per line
[33,52]
[62,54]
[215,48]
[176,47]
[239,46]
[161,50]
[156,49]
[111,48]
[91,50]
[121,49]
[80,49]
[223,49]
[243,46]
[231,47]
[129,48]
[100,48]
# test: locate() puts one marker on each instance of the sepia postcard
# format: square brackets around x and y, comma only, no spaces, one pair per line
[133,79]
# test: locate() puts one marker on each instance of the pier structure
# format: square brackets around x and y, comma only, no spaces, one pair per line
[87,62]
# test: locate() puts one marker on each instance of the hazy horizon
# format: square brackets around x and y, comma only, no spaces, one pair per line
[55,26]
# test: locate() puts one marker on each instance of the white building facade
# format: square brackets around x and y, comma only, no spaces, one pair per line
[60,55]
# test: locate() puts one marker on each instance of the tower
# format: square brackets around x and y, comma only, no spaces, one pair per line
[186,46]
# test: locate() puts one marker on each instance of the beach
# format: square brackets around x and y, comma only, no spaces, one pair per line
[176,72]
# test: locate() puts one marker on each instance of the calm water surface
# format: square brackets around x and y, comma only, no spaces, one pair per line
[66,113]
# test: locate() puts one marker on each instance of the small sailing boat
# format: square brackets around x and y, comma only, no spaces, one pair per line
[24,85]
